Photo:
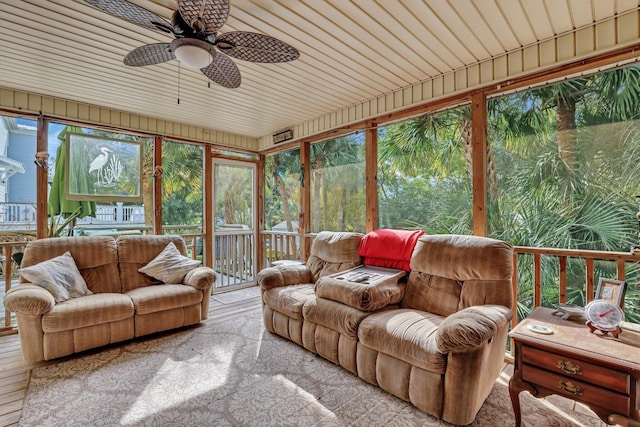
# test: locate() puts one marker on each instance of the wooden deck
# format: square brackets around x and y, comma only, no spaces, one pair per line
[14,372]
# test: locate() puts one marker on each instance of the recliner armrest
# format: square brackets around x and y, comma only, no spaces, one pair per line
[200,278]
[283,275]
[471,327]
[30,299]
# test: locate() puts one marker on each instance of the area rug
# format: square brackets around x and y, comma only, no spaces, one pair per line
[234,373]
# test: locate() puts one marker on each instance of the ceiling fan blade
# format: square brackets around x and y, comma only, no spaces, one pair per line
[204,15]
[149,54]
[133,13]
[256,47]
[223,71]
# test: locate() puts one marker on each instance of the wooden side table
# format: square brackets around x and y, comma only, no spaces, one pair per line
[601,372]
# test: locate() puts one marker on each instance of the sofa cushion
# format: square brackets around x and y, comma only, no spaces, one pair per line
[452,272]
[433,294]
[136,251]
[95,256]
[87,311]
[332,252]
[59,276]
[366,296]
[333,315]
[289,300]
[282,275]
[150,299]
[408,335]
[169,266]
[472,327]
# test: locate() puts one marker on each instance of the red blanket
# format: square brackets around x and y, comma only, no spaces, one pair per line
[389,248]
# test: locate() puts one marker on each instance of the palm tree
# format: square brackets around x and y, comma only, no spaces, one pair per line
[336,164]
[569,162]
[182,183]
[431,147]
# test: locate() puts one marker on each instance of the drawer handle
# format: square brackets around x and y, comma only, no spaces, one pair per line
[568,387]
[569,368]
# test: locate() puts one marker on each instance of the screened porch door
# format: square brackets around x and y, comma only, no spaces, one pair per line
[234,232]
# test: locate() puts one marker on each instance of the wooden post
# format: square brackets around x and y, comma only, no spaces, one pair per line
[371,183]
[479,162]
[42,184]
[157,185]
[209,224]
[305,198]
[260,214]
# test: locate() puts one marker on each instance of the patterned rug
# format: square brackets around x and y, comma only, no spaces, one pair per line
[234,373]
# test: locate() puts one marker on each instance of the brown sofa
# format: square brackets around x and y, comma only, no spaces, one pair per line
[125,303]
[436,339]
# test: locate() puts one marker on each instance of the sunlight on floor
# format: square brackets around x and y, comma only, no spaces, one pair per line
[161,393]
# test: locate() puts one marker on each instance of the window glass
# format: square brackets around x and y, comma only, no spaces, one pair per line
[424,173]
[282,191]
[17,198]
[17,176]
[182,188]
[280,238]
[106,168]
[338,184]
[563,167]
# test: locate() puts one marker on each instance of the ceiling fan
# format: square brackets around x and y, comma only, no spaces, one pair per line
[197,43]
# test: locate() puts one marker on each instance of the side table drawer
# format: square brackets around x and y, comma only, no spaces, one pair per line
[576,389]
[578,369]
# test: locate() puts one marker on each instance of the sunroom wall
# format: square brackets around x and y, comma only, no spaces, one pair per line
[596,39]
[88,115]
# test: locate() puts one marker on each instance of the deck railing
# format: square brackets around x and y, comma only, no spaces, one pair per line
[234,258]
[550,266]
[279,245]
[9,262]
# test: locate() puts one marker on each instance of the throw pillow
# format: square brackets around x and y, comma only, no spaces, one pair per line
[58,275]
[169,266]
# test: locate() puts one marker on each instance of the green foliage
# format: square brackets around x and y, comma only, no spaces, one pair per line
[182,201]
[338,184]
[551,183]
[423,175]
[282,189]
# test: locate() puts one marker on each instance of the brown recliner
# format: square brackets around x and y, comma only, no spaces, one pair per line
[286,288]
[443,349]
[441,346]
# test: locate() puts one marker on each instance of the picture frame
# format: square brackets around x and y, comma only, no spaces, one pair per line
[103,169]
[611,290]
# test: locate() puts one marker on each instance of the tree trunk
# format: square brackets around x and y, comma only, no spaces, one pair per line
[147,197]
[342,210]
[492,178]
[566,122]
[285,210]
[282,189]
[315,208]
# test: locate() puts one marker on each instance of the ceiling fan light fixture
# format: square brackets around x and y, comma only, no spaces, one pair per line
[193,53]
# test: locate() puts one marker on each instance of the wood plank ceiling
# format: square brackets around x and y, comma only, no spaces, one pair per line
[351,51]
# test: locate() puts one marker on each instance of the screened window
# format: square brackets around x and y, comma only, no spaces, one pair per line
[282,191]
[338,184]
[424,173]
[182,188]
[563,167]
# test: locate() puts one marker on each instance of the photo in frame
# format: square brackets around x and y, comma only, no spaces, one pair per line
[103,169]
[611,290]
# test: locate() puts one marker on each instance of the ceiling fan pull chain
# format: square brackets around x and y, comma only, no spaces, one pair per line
[178,83]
